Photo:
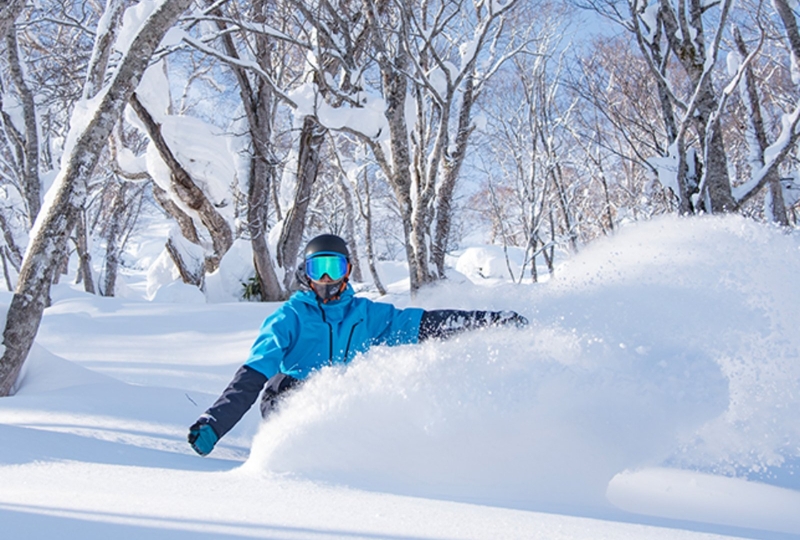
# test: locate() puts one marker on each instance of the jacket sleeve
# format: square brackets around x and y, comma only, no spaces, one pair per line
[275,340]
[236,400]
[444,323]
[392,326]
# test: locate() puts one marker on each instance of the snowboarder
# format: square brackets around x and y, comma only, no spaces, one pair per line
[324,324]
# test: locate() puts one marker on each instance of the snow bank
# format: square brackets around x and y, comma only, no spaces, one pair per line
[704,497]
[669,344]
[490,263]
[235,269]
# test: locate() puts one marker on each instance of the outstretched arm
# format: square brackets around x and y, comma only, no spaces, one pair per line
[229,408]
[444,323]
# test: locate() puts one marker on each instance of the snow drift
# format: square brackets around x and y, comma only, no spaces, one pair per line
[659,377]
[670,344]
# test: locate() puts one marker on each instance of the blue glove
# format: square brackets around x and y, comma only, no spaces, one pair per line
[509,318]
[202,437]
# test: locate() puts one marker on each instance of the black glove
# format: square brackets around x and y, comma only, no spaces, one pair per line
[508,318]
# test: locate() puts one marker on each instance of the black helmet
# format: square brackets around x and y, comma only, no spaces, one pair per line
[326,244]
[329,243]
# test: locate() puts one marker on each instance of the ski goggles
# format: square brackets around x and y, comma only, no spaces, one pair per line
[333,264]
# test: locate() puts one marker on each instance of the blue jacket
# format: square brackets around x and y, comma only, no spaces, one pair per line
[304,334]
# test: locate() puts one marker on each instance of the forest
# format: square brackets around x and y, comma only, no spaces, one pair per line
[409,127]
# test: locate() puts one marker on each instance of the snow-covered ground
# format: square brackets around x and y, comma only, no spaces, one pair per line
[656,394]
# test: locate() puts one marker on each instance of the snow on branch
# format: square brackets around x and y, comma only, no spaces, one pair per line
[246,64]
[773,156]
[261,29]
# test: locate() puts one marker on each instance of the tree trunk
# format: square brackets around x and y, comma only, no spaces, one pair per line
[112,234]
[258,105]
[49,243]
[6,274]
[185,188]
[350,230]
[685,34]
[103,46]
[395,85]
[30,182]
[533,243]
[787,16]
[9,12]
[262,176]
[717,180]
[392,63]
[777,208]
[257,194]
[570,223]
[365,209]
[549,254]
[185,223]
[425,173]
[191,269]
[85,273]
[311,139]
[13,252]
[452,169]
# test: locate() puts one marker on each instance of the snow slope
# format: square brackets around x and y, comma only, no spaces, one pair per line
[656,394]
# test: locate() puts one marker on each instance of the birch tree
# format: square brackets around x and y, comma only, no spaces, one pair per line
[428,62]
[19,148]
[253,64]
[768,157]
[88,138]
[269,57]
[9,12]
[25,139]
[527,155]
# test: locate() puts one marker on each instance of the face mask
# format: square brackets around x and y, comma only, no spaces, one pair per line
[329,291]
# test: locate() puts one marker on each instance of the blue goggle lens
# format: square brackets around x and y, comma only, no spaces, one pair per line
[334,265]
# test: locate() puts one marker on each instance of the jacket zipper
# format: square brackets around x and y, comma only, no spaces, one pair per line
[330,333]
[330,336]
[350,338]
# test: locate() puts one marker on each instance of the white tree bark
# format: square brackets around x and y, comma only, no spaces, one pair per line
[750,97]
[28,143]
[9,11]
[259,97]
[57,219]
[308,163]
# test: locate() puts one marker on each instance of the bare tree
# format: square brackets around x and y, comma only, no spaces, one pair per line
[768,158]
[258,78]
[365,210]
[27,140]
[415,48]
[116,218]
[187,190]
[752,101]
[50,238]
[262,88]
[677,32]
[312,136]
[9,12]
[529,159]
